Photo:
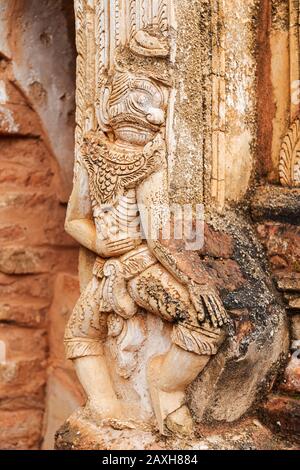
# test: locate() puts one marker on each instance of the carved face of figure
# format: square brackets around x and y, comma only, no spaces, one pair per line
[136,108]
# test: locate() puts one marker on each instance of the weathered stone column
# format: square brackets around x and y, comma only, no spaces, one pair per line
[276,203]
[166,81]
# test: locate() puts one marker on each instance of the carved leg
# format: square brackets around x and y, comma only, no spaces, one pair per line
[168,377]
[94,376]
[84,336]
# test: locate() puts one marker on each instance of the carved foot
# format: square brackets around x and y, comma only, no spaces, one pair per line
[180,422]
[171,414]
[99,410]
[112,416]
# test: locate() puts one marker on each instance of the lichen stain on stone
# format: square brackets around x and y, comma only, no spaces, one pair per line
[192,109]
[280,14]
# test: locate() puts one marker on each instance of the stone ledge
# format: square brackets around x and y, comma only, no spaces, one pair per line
[282,414]
[276,203]
[249,434]
[288,282]
[293,302]
[291,380]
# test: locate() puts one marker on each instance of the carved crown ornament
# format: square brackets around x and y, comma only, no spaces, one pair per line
[150,44]
[123,45]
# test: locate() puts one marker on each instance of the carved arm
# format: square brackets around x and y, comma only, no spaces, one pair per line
[184,265]
[80,223]
[79,220]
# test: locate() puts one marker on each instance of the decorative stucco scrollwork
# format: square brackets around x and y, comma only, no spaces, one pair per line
[289,165]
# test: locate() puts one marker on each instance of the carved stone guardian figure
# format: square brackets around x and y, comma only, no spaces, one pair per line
[124,179]
[166,333]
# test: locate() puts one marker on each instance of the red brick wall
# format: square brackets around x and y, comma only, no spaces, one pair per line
[35,252]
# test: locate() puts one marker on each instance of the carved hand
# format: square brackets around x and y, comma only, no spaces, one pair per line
[207,302]
[109,249]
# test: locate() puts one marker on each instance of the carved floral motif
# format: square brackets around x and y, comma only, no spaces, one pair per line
[289,161]
[289,165]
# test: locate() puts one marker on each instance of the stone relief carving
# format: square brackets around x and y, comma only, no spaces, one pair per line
[218,104]
[289,163]
[124,85]
[289,166]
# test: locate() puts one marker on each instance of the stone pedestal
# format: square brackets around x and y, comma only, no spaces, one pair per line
[249,434]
